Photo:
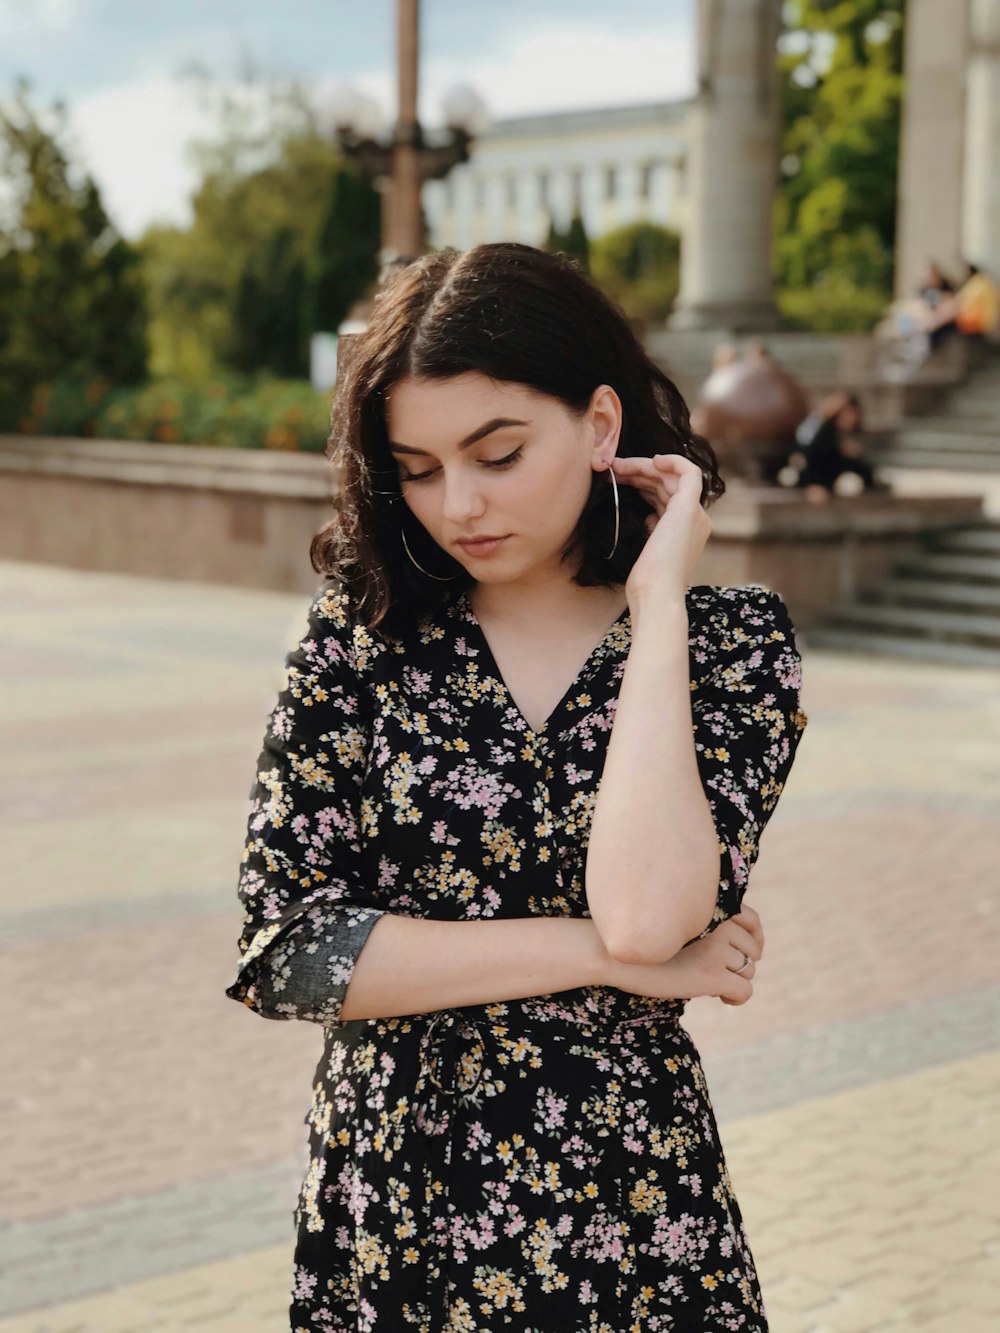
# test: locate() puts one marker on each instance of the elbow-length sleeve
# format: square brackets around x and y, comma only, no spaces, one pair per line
[307,912]
[747,726]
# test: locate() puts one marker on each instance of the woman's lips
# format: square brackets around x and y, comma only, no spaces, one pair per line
[482,547]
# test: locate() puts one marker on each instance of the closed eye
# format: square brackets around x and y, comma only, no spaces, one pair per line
[495,462]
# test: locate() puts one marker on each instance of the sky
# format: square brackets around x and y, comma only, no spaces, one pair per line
[120,67]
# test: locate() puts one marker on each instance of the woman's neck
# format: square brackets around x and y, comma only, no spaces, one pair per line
[553,605]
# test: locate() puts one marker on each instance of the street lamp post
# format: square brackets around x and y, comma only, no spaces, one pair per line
[399,166]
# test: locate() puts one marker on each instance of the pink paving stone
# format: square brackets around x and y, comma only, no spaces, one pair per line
[222,719]
[130,787]
[826,689]
[146,1065]
[860,914]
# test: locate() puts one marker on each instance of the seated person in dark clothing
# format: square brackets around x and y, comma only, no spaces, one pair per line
[828,444]
[937,296]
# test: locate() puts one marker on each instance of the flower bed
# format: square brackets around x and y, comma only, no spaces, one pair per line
[232,412]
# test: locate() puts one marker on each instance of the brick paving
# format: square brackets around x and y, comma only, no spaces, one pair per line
[152,1130]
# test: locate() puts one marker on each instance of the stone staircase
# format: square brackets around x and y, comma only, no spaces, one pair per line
[960,432]
[941,603]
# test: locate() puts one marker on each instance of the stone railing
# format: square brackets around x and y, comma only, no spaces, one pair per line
[243,517]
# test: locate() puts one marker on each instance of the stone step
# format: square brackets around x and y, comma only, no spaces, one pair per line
[918,623]
[935,594]
[888,645]
[941,424]
[979,539]
[968,442]
[980,405]
[952,461]
[941,566]
[957,451]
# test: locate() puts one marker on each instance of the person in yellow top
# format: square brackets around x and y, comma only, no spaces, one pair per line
[977,304]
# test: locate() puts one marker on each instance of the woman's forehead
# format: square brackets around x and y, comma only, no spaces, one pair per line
[457,399]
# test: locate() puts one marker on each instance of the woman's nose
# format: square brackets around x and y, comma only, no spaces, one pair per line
[462,497]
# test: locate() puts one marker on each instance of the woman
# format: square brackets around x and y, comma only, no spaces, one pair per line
[494,901]
[828,444]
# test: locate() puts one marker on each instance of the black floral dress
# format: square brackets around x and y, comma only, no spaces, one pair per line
[544,1165]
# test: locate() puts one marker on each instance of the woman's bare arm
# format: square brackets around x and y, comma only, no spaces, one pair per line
[653,855]
[410,965]
[413,965]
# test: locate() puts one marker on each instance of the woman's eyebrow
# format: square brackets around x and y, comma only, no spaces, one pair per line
[497,423]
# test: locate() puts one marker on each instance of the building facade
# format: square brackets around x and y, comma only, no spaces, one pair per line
[617,165]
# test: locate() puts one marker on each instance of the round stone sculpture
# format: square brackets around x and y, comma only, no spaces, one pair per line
[748,410]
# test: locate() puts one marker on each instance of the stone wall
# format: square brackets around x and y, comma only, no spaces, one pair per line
[164,511]
[247,518]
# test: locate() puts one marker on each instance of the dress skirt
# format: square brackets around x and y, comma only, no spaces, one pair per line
[544,1165]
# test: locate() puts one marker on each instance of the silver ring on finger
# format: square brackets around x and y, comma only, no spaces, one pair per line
[745,964]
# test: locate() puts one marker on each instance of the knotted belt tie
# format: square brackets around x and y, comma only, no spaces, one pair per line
[452,1056]
[452,1061]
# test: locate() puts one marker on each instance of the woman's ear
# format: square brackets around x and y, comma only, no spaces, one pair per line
[606,423]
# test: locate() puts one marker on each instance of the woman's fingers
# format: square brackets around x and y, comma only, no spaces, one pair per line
[636,471]
[742,940]
[738,991]
[750,920]
[656,490]
[660,478]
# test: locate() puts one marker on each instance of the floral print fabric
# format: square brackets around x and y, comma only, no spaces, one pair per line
[542,1165]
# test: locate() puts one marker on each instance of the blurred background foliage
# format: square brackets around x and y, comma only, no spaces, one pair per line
[284,239]
[71,289]
[201,333]
[842,82]
[232,411]
[639,267]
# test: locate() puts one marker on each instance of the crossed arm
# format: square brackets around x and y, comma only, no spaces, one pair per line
[317,947]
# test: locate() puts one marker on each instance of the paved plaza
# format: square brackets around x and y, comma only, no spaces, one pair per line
[153,1131]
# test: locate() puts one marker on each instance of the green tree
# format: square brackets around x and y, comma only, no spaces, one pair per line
[73,297]
[572,242]
[279,177]
[268,331]
[638,265]
[554,238]
[576,243]
[842,90]
[344,261]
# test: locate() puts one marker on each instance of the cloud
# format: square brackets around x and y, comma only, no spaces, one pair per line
[570,67]
[39,16]
[134,142]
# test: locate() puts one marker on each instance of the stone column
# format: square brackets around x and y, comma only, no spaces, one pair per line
[733,167]
[929,224]
[981,212]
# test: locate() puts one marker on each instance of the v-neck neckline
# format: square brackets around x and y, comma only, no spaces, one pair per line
[487,653]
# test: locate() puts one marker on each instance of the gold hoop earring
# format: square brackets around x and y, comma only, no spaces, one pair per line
[614,483]
[441,578]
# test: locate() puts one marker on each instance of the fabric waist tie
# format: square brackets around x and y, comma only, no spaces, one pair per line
[452,1058]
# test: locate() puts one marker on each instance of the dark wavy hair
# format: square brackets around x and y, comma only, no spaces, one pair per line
[518,315]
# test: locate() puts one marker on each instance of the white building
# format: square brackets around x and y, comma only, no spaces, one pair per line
[618,165]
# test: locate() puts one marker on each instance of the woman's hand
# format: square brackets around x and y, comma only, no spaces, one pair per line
[679,527]
[704,967]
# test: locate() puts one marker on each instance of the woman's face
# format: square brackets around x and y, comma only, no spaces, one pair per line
[483,458]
